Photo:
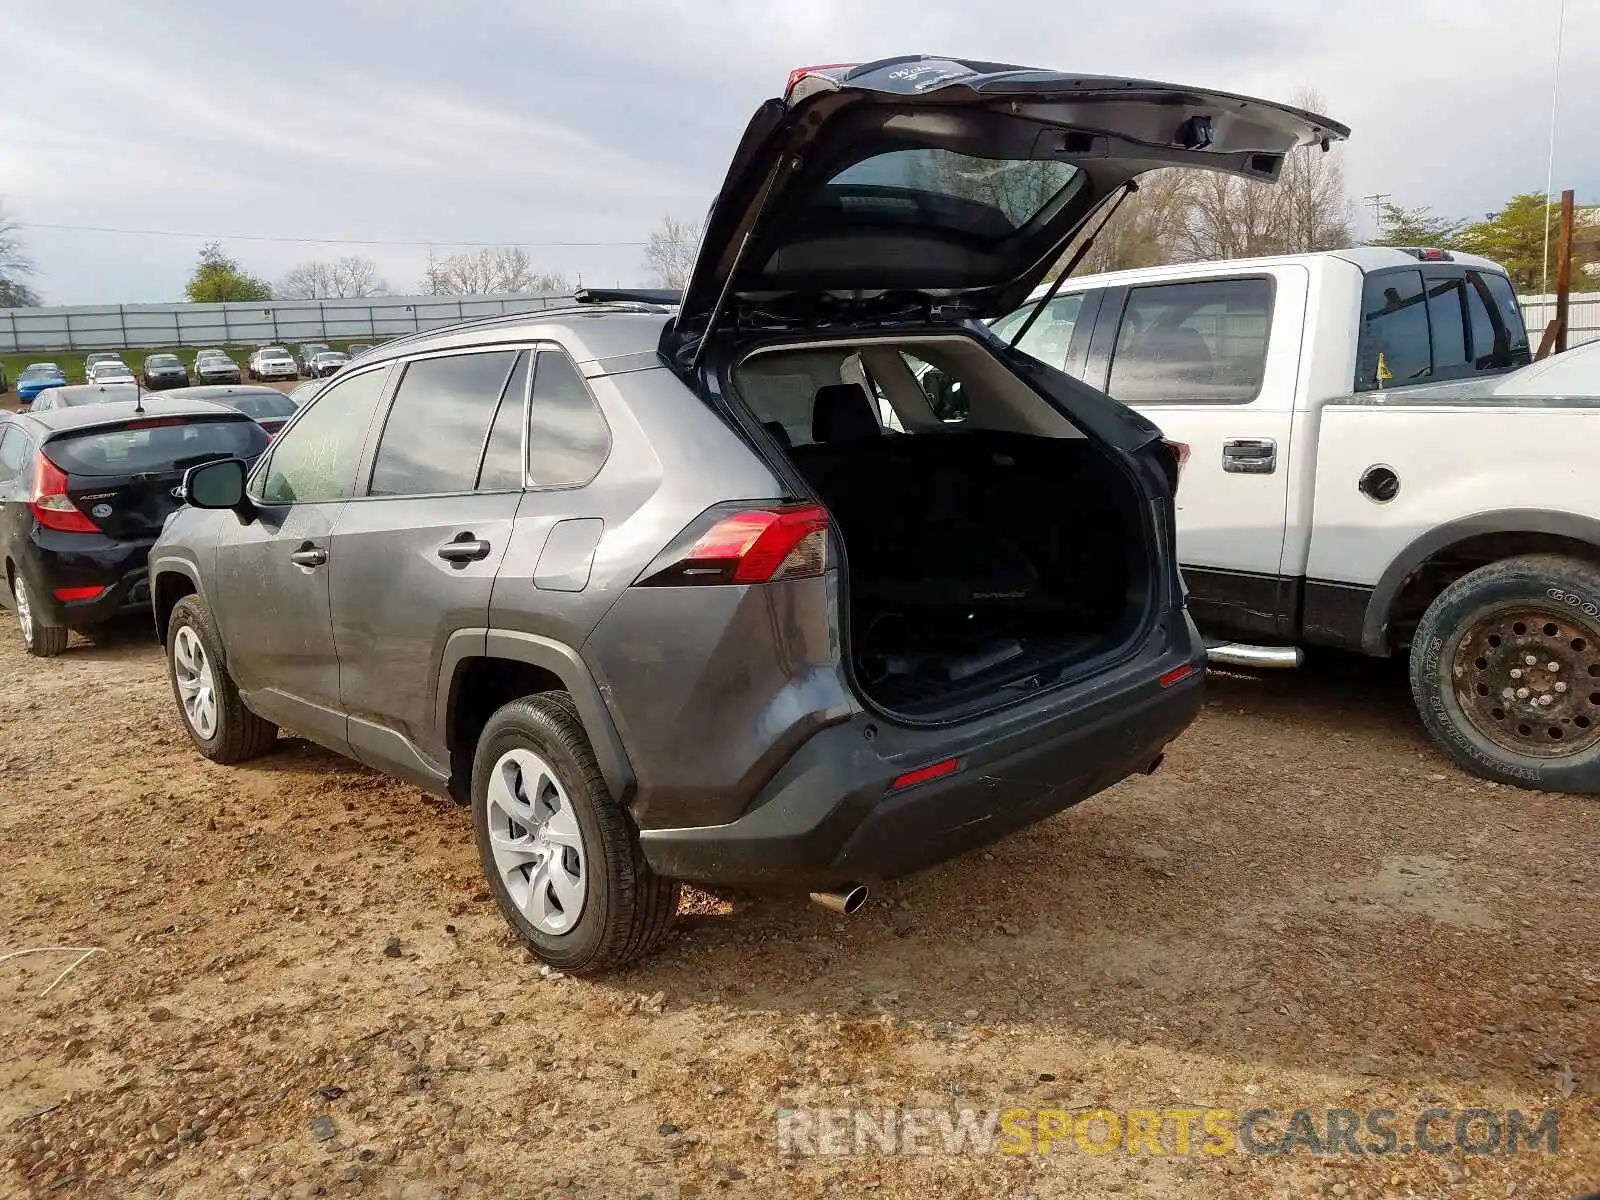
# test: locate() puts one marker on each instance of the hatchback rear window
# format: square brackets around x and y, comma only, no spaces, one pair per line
[984,197]
[155,444]
[261,407]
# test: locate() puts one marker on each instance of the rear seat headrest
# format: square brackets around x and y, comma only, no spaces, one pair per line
[779,434]
[843,412]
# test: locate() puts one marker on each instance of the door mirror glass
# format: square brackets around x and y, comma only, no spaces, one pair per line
[217,484]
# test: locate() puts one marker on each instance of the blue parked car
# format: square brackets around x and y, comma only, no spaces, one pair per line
[36,377]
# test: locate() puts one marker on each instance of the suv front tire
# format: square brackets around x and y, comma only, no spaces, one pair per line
[561,856]
[213,713]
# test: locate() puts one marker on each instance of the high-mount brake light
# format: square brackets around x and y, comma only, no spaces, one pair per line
[799,73]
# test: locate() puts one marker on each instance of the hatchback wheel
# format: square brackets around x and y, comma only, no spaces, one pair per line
[214,714]
[561,856]
[38,638]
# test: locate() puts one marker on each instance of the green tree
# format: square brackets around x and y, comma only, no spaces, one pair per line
[1398,226]
[1514,237]
[219,277]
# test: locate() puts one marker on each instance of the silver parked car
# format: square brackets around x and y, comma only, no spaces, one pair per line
[714,594]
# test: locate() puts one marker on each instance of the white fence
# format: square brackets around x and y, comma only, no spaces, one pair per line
[114,326]
[1583,317]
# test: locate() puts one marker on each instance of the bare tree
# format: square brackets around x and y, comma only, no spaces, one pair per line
[669,254]
[350,277]
[1144,232]
[14,263]
[1307,209]
[1316,210]
[489,270]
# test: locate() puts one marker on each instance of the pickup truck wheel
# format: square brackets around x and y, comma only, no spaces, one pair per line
[561,856]
[1505,671]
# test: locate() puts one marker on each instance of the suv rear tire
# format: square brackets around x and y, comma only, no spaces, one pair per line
[231,733]
[561,856]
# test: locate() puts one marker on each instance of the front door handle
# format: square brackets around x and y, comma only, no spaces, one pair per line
[464,549]
[1250,456]
[309,556]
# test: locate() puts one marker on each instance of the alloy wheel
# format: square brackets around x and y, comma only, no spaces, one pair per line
[536,842]
[19,593]
[197,692]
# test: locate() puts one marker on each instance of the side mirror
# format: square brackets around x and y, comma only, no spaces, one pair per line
[217,484]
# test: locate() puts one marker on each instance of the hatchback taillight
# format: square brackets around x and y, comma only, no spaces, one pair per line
[758,545]
[51,505]
[1177,458]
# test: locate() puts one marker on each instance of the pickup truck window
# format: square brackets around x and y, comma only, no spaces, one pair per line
[1447,321]
[1490,347]
[1510,312]
[1394,348]
[1202,341]
[1051,335]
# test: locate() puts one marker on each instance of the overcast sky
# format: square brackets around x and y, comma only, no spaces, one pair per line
[553,122]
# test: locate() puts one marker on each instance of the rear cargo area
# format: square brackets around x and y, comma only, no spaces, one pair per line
[991,549]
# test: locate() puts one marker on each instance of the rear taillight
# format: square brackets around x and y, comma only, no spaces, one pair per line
[758,545]
[1177,455]
[51,505]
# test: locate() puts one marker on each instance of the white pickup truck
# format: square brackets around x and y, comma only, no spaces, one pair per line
[1354,481]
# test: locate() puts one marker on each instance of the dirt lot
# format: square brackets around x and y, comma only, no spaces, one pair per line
[1307,908]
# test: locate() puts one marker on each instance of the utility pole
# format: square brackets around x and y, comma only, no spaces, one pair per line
[1564,271]
[1376,202]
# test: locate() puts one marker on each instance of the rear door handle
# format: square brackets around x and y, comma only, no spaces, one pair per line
[309,556]
[464,549]
[1250,456]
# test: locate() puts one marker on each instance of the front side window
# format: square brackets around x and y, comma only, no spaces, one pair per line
[1201,341]
[1050,337]
[568,439]
[315,459]
[1394,349]
[433,439]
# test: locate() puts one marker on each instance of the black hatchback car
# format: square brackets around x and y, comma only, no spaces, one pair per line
[83,493]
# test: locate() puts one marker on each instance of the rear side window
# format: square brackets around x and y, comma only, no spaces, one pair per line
[1490,345]
[568,439]
[1509,311]
[1394,348]
[1447,323]
[316,458]
[158,444]
[1184,342]
[433,439]
[502,455]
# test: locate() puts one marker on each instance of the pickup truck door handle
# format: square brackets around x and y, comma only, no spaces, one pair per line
[1250,456]
[464,548]
[309,556]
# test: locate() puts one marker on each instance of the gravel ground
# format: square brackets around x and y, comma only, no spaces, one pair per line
[303,989]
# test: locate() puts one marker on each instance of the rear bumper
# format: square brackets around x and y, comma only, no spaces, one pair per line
[829,816]
[120,568]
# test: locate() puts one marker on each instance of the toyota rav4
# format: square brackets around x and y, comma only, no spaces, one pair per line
[714,594]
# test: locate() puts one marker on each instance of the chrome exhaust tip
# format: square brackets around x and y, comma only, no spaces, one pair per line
[847,901]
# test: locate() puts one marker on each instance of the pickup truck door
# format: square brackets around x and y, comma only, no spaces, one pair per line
[1215,362]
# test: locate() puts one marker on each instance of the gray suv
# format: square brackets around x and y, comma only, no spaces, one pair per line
[718,593]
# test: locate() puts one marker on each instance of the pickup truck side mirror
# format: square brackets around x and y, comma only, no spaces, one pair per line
[215,485]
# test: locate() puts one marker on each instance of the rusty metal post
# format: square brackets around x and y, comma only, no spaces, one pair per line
[1564,271]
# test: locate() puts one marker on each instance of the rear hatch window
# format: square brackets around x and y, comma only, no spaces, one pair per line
[941,189]
[126,479]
